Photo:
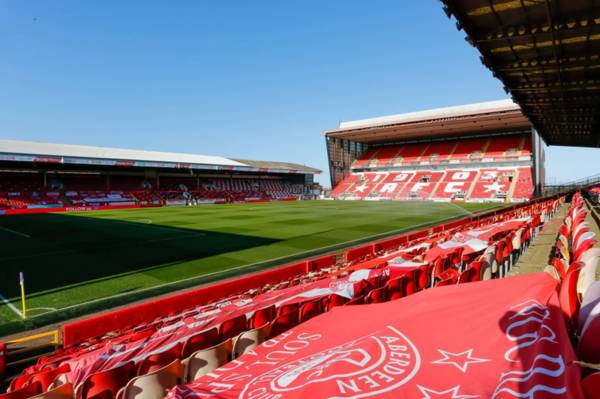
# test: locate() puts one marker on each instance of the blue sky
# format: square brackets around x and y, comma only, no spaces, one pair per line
[250,79]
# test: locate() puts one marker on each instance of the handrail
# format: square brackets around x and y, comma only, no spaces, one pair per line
[34,349]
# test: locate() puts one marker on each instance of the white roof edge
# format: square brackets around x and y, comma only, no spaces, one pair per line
[437,113]
[82,151]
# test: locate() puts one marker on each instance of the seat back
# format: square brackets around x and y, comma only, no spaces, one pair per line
[60,379]
[46,378]
[588,348]
[424,277]
[396,288]
[356,301]
[263,316]
[336,300]
[105,384]
[283,323]
[569,302]
[289,308]
[25,392]
[249,340]
[206,360]
[591,386]
[310,309]
[590,306]
[378,295]
[19,382]
[154,385]
[64,391]
[159,360]
[233,327]
[204,339]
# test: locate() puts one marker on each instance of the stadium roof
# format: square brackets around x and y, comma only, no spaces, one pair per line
[547,55]
[472,119]
[30,151]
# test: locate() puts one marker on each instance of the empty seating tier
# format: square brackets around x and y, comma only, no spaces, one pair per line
[451,170]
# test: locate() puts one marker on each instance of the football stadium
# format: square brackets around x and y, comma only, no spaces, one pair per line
[439,262]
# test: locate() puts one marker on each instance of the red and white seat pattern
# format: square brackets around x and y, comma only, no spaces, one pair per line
[444,170]
[366,183]
[493,183]
[453,184]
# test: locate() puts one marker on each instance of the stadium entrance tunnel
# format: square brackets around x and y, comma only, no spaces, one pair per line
[60,251]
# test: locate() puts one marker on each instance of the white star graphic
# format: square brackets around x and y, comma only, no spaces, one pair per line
[361,188]
[495,186]
[460,360]
[444,394]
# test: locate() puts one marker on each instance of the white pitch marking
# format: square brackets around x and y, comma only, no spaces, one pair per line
[15,232]
[11,306]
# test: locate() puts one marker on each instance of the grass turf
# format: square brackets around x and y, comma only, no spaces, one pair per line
[72,258]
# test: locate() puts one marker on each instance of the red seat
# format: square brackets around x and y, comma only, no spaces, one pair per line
[411,282]
[202,340]
[587,244]
[591,386]
[448,277]
[233,327]
[378,295]
[262,316]
[473,272]
[156,361]
[569,302]
[396,288]
[289,308]
[105,384]
[356,301]
[336,300]
[424,277]
[24,392]
[439,265]
[588,348]
[283,323]
[19,381]
[310,309]
[46,377]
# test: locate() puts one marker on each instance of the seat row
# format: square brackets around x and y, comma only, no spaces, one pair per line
[574,263]
[454,267]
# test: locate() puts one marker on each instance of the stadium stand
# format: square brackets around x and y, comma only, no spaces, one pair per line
[86,190]
[474,182]
[471,249]
[480,161]
[68,176]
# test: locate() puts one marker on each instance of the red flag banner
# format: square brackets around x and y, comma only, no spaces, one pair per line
[493,339]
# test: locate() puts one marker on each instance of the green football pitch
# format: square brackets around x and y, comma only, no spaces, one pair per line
[70,259]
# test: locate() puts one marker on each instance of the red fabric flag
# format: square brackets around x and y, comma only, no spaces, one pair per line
[492,339]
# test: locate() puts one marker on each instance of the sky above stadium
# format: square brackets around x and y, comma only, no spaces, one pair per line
[246,79]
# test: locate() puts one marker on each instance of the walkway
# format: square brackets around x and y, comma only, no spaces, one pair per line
[536,257]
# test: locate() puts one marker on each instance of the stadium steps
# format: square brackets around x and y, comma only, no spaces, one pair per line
[513,185]
[377,186]
[437,185]
[536,257]
[473,184]
[404,187]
